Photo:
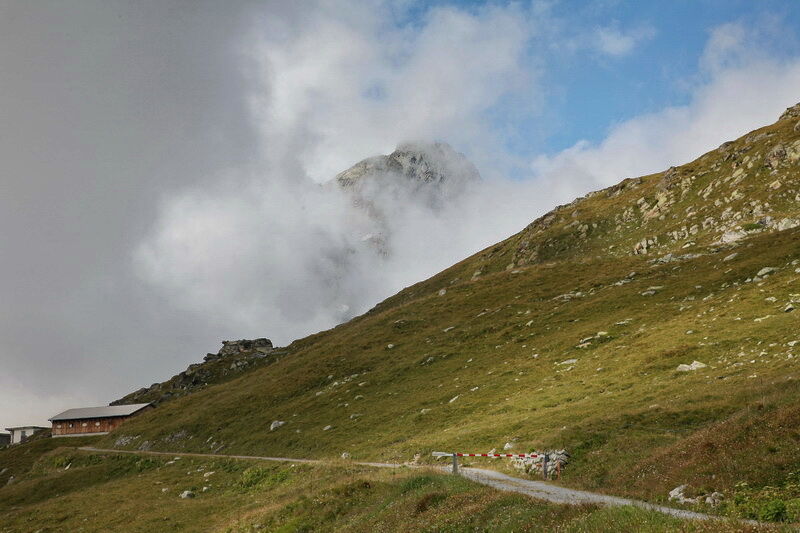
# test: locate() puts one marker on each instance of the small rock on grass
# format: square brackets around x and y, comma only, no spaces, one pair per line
[688,368]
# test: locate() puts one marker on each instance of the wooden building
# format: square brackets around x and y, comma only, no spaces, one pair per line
[20,434]
[5,439]
[94,420]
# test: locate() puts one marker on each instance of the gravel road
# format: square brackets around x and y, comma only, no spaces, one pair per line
[535,489]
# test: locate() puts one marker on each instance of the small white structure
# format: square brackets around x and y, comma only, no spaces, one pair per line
[20,433]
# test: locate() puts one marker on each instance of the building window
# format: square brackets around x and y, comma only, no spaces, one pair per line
[24,433]
[70,424]
[84,424]
[58,426]
[97,424]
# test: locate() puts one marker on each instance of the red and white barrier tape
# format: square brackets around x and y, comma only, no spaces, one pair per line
[523,455]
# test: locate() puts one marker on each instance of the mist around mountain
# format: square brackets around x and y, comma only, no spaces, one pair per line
[431,177]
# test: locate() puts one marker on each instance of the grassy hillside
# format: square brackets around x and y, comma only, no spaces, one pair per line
[69,490]
[568,335]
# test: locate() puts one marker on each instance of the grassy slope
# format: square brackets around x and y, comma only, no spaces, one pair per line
[100,493]
[621,409]
[17,461]
[634,425]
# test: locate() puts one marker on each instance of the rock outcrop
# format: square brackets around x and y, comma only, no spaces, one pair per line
[233,358]
[745,187]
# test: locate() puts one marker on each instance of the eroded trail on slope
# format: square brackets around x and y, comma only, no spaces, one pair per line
[535,489]
[557,494]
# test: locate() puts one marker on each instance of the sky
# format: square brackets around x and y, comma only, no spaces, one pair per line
[162,162]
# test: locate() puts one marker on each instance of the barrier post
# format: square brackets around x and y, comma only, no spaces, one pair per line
[455,464]
[544,466]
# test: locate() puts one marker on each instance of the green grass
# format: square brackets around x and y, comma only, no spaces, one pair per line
[619,422]
[112,492]
[477,356]
[17,461]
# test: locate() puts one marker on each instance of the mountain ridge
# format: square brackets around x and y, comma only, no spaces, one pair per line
[570,334]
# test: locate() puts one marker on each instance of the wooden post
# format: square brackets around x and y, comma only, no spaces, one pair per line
[455,464]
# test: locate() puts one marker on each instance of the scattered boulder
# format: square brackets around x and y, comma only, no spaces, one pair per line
[276,424]
[775,157]
[785,223]
[714,499]
[688,368]
[345,456]
[187,494]
[124,440]
[766,271]
[732,236]
[677,495]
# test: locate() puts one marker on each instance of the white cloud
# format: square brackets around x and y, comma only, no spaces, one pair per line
[278,255]
[272,253]
[726,43]
[743,90]
[344,84]
[612,41]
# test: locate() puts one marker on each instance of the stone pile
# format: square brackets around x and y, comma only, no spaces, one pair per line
[556,462]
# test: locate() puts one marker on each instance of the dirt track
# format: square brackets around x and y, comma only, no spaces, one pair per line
[535,489]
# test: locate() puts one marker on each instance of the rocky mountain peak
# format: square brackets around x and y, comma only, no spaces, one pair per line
[418,162]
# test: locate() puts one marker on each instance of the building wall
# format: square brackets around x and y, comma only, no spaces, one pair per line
[89,425]
[20,434]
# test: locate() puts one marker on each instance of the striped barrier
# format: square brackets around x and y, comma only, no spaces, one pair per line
[456,455]
[524,455]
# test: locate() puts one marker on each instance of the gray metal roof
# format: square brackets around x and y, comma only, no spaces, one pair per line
[99,412]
